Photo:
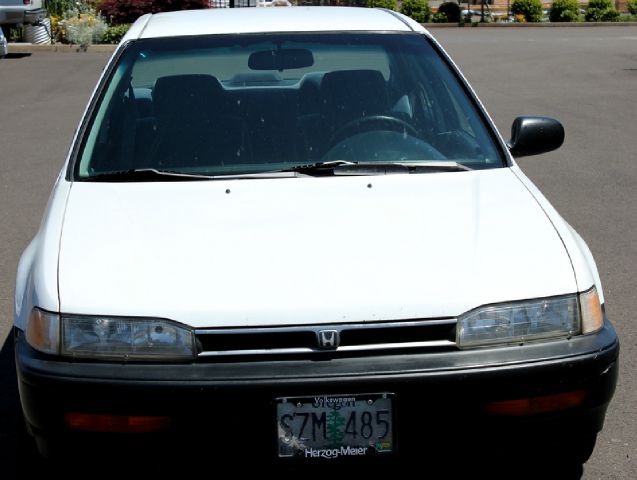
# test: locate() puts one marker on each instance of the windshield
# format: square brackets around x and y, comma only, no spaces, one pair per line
[227,105]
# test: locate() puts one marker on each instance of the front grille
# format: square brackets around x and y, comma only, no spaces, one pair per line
[359,337]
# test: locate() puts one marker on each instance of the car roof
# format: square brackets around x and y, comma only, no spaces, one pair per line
[269,20]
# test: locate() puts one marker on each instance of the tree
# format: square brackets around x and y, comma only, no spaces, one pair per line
[127,11]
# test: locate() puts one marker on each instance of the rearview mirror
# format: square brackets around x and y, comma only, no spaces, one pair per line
[535,135]
[281,59]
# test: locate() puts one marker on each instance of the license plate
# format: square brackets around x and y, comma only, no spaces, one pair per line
[335,426]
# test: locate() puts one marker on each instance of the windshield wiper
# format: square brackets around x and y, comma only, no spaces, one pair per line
[154,175]
[144,175]
[343,167]
[331,168]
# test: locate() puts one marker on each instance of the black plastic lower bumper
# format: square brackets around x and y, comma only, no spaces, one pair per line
[439,397]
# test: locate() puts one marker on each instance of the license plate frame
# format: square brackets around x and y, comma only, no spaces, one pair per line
[334,426]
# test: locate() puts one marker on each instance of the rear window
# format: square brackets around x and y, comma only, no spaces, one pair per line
[239,104]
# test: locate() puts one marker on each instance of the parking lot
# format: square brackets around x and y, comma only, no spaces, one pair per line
[586,77]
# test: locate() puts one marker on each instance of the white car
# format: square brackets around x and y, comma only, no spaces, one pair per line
[297,233]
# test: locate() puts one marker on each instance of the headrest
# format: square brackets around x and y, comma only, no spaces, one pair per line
[350,94]
[185,92]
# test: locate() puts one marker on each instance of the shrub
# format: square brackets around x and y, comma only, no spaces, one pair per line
[127,11]
[56,8]
[82,28]
[610,16]
[390,4]
[439,17]
[632,6]
[417,9]
[114,34]
[601,11]
[451,10]
[57,30]
[565,11]
[530,9]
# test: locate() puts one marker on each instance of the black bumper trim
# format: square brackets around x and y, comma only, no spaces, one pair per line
[601,348]
[462,383]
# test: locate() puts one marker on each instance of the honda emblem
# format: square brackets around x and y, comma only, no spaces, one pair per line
[328,339]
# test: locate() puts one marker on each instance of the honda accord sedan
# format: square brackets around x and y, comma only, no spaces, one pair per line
[294,235]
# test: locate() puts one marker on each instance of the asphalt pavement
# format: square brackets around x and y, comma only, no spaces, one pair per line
[586,77]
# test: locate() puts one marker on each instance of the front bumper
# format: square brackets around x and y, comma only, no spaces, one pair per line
[438,395]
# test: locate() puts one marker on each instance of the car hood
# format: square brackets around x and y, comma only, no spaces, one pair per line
[307,250]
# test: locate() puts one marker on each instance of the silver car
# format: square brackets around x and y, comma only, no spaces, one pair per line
[4,47]
[15,12]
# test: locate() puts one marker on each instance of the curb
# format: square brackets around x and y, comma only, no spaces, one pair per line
[430,26]
[60,47]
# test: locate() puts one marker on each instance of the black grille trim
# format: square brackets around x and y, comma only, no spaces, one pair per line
[302,339]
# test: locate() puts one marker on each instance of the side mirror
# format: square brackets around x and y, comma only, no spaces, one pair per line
[535,135]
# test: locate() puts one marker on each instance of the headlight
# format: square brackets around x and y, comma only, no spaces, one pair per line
[519,322]
[125,338]
[110,338]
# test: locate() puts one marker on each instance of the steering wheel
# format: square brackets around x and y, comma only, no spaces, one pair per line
[367,124]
